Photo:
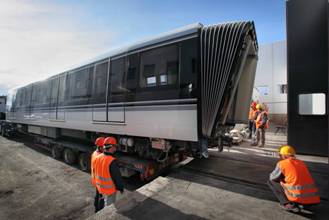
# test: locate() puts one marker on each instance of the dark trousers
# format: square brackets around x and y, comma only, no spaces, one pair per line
[99,201]
[278,192]
[251,128]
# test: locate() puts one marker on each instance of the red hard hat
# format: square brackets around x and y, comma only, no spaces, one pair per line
[100,142]
[110,141]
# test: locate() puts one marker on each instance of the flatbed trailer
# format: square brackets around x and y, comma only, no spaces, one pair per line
[78,152]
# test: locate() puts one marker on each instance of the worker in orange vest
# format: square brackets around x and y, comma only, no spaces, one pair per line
[98,202]
[292,183]
[251,117]
[107,174]
[262,123]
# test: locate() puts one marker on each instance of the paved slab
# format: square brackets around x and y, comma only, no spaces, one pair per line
[35,186]
[185,195]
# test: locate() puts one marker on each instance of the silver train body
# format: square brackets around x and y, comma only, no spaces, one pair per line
[175,91]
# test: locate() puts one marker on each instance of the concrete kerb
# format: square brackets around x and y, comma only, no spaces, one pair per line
[129,200]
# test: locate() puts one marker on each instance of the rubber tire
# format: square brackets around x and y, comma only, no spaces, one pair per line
[69,156]
[56,152]
[84,161]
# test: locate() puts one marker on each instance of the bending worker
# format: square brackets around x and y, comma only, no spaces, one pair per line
[98,202]
[291,182]
[107,173]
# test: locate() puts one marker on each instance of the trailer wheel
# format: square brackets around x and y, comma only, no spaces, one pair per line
[56,152]
[69,156]
[84,161]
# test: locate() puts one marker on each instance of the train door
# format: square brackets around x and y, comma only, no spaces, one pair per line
[116,91]
[99,97]
[56,111]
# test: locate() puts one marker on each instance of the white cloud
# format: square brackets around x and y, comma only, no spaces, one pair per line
[38,40]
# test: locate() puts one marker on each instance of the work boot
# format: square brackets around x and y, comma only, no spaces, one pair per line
[290,207]
[260,145]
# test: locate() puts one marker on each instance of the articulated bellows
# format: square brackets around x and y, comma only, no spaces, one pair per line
[221,47]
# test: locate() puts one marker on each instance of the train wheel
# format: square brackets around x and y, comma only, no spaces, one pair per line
[84,161]
[56,152]
[69,156]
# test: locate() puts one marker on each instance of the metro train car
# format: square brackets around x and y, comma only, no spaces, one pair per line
[177,92]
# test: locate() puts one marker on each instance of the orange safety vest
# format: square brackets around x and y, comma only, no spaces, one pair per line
[298,183]
[104,182]
[259,120]
[251,114]
[93,157]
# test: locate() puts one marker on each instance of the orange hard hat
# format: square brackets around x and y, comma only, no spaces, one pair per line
[109,142]
[100,142]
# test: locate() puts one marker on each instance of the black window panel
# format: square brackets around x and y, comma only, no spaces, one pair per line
[159,67]
[27,98]
[54,83]
[19,98]
[61,90]
[36,94]
[189,68]
[159,78]
[78,87]
[40,94]
[100,81]
[117,88]
[132,76]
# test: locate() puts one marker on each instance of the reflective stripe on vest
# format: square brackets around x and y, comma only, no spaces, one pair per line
[300,187]
[104,179]
[303,195]
[105,186]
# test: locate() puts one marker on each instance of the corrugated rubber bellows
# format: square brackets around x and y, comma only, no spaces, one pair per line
[221,46]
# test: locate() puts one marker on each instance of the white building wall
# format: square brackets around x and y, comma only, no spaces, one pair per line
[271,73]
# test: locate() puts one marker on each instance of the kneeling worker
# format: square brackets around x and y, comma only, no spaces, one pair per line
[291,182]
[98,202]
[107,173]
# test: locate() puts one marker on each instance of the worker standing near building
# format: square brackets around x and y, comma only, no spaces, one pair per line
[107,174]
[262,123]
[252,112]
[291,182]
[98,202]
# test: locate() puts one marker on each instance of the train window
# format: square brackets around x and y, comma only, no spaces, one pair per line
[132,77]
[117,88]
[100,81]
[159,67]
[132,72]
[78,86]
[28,94]
[189,68]
[61,89]
[36,94]
[54,91]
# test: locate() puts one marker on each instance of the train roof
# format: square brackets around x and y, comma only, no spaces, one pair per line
[178,33]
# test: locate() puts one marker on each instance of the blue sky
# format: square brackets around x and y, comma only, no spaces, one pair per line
[132,20]
[42,38]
